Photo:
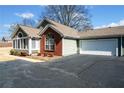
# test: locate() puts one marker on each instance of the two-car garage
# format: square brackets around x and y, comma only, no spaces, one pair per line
[107,47]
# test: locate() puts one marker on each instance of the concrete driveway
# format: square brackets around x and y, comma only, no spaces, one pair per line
[72,71]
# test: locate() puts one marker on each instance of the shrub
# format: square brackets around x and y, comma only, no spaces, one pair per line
[12,51]
[38,54]
[15,52]
[24,54]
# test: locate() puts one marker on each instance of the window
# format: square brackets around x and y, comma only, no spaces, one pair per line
[25,43]
[18,44]
[33,43]
[20,34]
[50,44]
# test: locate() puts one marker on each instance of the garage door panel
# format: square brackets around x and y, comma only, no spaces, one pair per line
[69,47]
[97,53]
[98,47]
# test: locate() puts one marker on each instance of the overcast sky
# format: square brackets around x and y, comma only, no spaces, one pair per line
[102,16]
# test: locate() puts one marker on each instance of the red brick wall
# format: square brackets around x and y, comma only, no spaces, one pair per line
[58,43]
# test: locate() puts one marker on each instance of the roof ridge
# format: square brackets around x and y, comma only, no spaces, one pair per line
[27,26]
[59,23]
[109,27]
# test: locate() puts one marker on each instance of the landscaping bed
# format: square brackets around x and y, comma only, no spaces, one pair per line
[36,56]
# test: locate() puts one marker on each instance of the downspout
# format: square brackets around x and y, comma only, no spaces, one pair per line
[121,47]
[78,48]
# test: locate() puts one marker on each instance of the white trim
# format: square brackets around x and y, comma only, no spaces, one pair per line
[16,43]
[49,45]
[20,33]
[33,44]
[19,49]
[116,47]
[30,46]
[20,38]
[45,19]
[41,22]
[16,30]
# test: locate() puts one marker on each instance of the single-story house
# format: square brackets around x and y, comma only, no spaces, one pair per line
[26,38]
[58,39]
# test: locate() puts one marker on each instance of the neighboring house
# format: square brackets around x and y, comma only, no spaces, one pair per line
[6,42]
[3,39]
[61,40]
[6,39]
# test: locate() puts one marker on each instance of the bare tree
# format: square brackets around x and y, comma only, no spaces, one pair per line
[12,28]
[28,22]
[74,16]
[25,22]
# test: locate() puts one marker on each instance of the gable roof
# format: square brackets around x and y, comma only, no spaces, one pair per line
[30,31]
[66,31]
[95,33]
[69,32]
[103,32]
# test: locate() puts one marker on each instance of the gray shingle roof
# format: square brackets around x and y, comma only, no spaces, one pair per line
[30,31]
[65,30]
[103,32]
[70,32]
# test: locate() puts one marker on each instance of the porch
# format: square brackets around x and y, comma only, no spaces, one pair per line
[26,44]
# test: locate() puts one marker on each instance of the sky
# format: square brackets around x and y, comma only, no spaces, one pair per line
[102,16]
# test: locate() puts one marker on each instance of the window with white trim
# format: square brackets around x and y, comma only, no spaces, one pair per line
[50,42]
[20,34]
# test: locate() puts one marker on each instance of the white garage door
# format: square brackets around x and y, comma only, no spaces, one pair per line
[99,47]
[69,47]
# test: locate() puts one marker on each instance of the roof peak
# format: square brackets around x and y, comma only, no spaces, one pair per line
[26,26]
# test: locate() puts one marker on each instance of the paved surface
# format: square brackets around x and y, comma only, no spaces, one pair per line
[73,71]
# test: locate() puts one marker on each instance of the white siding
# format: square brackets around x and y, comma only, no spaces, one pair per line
[69,47]
[37,45]
[107,47]
[30,46]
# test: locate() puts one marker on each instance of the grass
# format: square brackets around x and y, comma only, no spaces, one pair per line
[4,52]
[6,58]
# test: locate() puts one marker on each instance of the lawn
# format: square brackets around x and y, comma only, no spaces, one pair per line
[4,52]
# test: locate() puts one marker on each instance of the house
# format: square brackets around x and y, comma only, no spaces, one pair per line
[6,39]
[26,38]
[57,39]
[6,42]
